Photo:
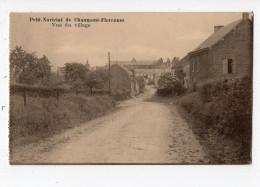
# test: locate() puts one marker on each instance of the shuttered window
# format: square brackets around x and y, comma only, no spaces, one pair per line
[229,66]
[225,66]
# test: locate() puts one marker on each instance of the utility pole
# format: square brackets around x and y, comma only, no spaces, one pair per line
[109,86]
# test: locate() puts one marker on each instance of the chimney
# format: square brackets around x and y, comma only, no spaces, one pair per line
[245,15]
[217,27]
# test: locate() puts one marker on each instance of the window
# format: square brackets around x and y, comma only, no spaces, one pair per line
[229,66]
[195,66]
[198,65]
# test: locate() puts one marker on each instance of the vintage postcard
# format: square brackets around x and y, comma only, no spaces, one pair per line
[131,88]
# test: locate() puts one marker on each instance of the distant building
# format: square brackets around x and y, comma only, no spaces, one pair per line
[123,80]
[145,68]
[134,64]
[228,52]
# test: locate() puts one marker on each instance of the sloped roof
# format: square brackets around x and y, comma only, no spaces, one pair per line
[145,62]
[139,62]
[184,61]
[217,36]
[123,68]
[120,62]
[101,68]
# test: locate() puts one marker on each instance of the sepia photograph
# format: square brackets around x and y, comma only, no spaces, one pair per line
[169,88]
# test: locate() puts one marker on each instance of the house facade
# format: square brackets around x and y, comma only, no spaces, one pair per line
[123,80]
[228,52]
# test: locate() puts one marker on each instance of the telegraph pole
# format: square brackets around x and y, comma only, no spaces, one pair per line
[109,86]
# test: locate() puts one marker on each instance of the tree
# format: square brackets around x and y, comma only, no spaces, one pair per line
[175,61]
[93,80]
[17,60]
[27,67]
[24,65]
[75,72]
[104,75]
[160,60]
[44,68]
[168,63]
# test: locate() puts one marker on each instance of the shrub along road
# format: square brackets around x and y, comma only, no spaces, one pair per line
[139,131]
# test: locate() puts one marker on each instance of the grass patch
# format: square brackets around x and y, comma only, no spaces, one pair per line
[44,117]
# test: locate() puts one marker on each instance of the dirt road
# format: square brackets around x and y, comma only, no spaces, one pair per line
[137,132]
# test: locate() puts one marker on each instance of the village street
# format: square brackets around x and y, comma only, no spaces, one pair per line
[138,131]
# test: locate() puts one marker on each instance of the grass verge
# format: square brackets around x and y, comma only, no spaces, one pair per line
[220,147]
[44,117]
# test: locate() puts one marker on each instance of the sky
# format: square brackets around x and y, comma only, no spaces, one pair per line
[144,36]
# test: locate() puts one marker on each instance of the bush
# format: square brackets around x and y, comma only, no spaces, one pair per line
[215,89]
[169,85]
[237,109]
[188,102]
[224,106]
[231,101]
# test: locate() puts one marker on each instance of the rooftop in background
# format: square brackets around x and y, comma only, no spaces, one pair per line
[135,62]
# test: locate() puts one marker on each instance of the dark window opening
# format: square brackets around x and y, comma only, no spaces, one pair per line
[229,66]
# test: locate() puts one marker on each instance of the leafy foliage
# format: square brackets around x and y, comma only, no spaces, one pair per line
[27,67]
[93,80]
[104,75]
[75,72]
[80,77]
[44,68]
[169,85]
[226,107]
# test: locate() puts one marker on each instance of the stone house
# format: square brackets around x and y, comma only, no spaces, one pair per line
[123,80]
[142,67]
[228,52]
